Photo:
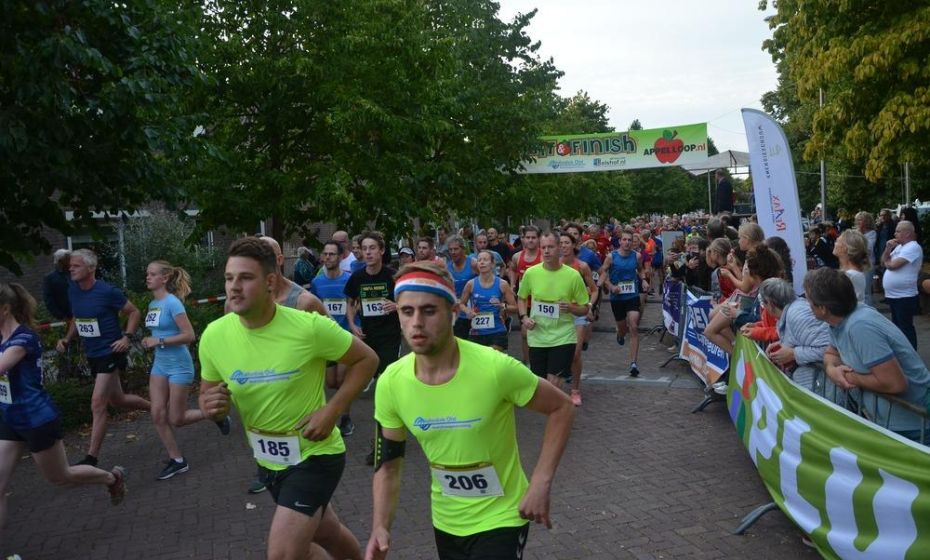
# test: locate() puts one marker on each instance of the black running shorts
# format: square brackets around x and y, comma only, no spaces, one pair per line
[552,360]
[109,363]
[505,543]
[500,339]
[306,486]
[37,439]
[623,306]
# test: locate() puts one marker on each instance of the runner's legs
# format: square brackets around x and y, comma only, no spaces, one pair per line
[10,452]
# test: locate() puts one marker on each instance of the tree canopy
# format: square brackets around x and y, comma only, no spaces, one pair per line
[365,111]
[381,113]
[871,60]
[89,112]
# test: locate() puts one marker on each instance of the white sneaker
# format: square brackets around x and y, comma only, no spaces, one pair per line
[722,390]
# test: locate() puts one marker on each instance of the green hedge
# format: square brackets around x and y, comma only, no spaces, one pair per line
[73,400]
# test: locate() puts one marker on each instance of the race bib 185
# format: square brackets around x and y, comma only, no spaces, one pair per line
[278,449]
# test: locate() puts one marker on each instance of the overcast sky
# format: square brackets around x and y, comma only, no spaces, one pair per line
[665,63]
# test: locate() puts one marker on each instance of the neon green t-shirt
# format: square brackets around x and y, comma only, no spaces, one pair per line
[276,373]
[466,429]
[547,288]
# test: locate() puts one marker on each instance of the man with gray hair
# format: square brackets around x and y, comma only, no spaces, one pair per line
[462,267]
[55,287]
[867,352]
[902,259]
[96,307]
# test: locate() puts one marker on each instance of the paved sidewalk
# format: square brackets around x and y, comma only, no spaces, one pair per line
[642,478]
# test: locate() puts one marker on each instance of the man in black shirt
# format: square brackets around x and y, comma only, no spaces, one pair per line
[499,245]
[55,287]
[370,290]
[724,199]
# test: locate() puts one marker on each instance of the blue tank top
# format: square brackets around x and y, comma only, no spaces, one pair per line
[623,273]
[170,360]
[23,401]
[461,277]
[333,293]
[481,302]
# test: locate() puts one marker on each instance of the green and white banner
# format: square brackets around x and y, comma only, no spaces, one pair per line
[614,151]
[859,491]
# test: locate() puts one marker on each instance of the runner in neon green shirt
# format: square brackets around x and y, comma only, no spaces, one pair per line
[457,399]
[551,295]
[269,360]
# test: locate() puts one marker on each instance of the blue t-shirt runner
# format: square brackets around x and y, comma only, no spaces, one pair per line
[461,277]
[96,316]
[332,292]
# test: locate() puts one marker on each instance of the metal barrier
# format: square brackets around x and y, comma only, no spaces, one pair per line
[866,403]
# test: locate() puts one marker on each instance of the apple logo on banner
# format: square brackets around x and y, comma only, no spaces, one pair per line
[668,147]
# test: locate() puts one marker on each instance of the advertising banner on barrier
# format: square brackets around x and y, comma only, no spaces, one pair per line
[614,151]
[708,361]
[774,187]
[859,491]
[671,306]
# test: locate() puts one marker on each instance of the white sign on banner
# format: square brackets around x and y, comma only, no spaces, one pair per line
[774,187]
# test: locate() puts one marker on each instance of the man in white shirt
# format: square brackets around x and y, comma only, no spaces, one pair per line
[347,257]
[902,259]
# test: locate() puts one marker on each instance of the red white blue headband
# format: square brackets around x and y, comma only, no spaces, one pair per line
[422,281]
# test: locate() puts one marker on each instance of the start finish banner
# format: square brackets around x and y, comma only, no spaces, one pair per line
[614,151]
[859,491]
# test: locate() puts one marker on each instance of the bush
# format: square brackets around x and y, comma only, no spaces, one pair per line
[73,400]
[168,236]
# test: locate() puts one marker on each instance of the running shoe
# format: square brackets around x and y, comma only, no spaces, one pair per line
[620,340]
[225,425]
[634,370]
[89,460]
[576,397]
[118,489]
[256,486]
[172,468]
[721,390]
[719,384]
[346,426]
